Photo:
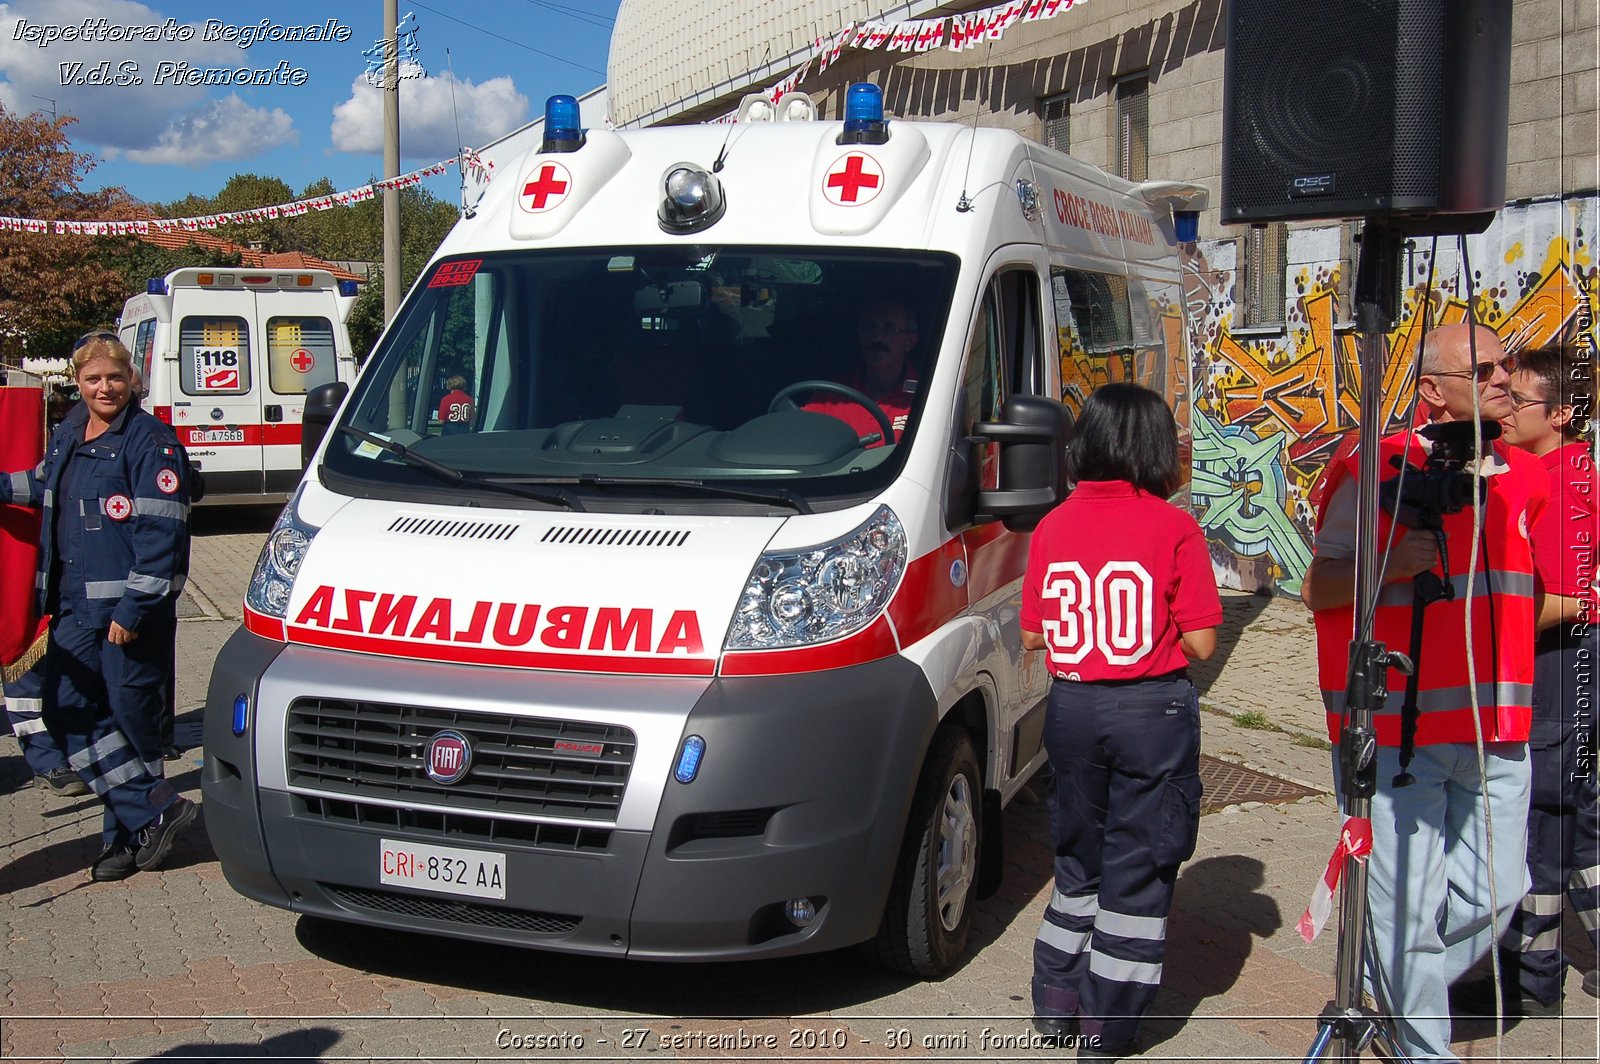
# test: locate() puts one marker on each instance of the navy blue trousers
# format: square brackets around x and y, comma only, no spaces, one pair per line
[103,706]
[1563,816]
[1125,815]
[25,711]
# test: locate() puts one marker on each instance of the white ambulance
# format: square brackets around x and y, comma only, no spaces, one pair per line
[663,653]
[228,355]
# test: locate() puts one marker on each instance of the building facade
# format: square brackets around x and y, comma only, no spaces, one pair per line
[1136,87]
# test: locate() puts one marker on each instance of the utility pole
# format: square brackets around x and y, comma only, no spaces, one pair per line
[391,158]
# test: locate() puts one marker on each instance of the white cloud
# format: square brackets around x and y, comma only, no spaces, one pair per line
[427,120]
[123,119]
[227,128]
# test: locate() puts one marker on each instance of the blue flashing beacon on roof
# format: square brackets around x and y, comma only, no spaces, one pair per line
[863,115]
[562,131]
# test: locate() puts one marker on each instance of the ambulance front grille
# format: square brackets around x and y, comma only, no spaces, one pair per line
[375,750]
[455,912]
[575,536]
[450,528]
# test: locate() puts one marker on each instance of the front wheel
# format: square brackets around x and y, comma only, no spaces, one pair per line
[929,913]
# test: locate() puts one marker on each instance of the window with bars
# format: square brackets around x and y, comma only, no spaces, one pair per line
[1133,128]
[1054,122]
[1266,260]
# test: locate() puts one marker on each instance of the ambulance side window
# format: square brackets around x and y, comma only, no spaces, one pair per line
[214,355]
[143,343]
[1002,355]
[1095,331]
[299,354]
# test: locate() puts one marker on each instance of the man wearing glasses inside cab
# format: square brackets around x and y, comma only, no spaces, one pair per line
[886,334]
[1429,878]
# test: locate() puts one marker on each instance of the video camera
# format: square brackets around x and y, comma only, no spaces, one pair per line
[1422,495]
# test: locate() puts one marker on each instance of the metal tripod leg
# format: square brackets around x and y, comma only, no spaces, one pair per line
[1357,1028]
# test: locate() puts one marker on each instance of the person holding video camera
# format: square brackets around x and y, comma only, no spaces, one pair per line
[1429,871]
[1552,393]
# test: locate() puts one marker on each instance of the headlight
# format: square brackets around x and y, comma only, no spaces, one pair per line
[279,563]
[795,598]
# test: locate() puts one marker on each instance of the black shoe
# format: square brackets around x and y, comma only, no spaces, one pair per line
[156,838]
[171,753]
[114,863]
[62,782]
[1089,1050]
[1055,1031]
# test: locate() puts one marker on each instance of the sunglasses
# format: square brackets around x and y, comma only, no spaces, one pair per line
[98,334]
[1483,372]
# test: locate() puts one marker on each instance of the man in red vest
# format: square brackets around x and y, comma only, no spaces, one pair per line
[1431,918]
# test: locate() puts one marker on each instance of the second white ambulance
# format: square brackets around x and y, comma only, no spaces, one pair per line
[651,655]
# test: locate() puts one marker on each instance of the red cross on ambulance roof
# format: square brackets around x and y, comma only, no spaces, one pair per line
[546,187]
[853,179]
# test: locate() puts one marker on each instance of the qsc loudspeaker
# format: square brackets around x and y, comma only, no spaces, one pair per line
[1351,108]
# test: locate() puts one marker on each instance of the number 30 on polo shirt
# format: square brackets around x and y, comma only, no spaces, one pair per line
[1111,611]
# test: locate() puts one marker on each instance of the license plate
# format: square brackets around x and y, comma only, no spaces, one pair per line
[216,436]
[445,869]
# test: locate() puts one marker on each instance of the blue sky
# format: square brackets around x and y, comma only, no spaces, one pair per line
[161,139]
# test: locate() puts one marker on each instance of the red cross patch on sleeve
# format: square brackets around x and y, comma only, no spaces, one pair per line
[167,481]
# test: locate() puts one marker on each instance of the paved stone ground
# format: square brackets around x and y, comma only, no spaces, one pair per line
[174,964]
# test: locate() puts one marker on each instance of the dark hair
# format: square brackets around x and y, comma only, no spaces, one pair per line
[1566,377]
[1126,432]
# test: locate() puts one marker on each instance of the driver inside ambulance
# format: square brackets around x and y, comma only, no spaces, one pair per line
[886,334]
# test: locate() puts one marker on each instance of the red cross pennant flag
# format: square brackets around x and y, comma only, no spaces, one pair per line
[1355,840]
[855,178]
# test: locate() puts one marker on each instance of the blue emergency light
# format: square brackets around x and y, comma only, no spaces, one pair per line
[689,758]
[1186,226]
[349,288]
[155,286]
[863,115]
[562,130]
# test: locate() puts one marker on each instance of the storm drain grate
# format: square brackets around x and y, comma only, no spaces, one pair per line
[1229,784]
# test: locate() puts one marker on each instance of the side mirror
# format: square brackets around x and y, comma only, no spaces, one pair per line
[322,405]
[1033,439]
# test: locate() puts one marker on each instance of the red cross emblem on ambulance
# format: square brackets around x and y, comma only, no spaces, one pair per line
[546,187]
[302,360]
[119,508]
[854,178]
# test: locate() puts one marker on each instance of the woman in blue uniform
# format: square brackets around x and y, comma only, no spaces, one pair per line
[113,555]
[1119,594]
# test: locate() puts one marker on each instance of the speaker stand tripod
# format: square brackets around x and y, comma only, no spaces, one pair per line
[1345,1019]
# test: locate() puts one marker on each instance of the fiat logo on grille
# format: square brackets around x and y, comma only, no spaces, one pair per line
[448,757]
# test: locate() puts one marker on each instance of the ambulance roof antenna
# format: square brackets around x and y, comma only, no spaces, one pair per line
[461,160]
[722,153]
[964,204]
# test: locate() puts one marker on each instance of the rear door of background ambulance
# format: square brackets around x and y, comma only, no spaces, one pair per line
[217,406]
[298,354]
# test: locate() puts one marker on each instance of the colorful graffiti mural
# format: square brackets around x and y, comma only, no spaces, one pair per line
[1270,410]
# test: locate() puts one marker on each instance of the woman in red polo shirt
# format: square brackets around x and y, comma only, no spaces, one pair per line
[1120,595]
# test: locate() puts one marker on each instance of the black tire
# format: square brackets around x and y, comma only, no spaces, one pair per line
[929,912]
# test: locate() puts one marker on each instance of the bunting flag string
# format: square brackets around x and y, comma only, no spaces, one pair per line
[476,167]
[958,33]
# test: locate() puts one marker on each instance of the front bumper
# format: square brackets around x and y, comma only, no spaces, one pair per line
[803,792]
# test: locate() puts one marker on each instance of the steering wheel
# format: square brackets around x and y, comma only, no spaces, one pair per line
[786,396]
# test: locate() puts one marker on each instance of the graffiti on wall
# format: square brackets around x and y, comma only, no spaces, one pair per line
[1270,410]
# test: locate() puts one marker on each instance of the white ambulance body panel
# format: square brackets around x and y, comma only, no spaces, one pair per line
[679,659]
[228,356]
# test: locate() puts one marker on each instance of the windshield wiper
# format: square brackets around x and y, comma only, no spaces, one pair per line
[457,476]
[781,497]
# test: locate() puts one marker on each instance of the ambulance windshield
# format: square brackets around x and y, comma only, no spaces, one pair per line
[617,372]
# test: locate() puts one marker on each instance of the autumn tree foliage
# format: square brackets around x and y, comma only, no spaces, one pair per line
[53,287]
